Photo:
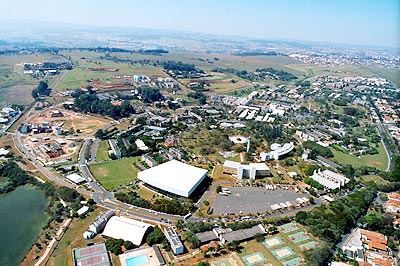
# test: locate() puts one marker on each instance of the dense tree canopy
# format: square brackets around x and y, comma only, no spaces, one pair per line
[172,65]
[317,149]
[15,177]
[41,89]
[155,237]
[330,221]
[150,95]
[92,104]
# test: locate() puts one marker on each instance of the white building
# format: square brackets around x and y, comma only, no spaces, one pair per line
[241,171]
[140,144]
[114,148]
[83,210]
[329,179]
[173,238]
[278,151]
[126,229]
[101,220]
[352,246]
[174,177]
[75,178]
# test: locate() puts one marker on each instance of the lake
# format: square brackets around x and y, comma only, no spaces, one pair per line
[22,218]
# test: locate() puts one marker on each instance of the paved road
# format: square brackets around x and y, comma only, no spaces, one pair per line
[380,129]
[56,83]
[93,150]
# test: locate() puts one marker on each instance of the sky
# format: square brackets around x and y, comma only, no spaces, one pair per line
[368,22]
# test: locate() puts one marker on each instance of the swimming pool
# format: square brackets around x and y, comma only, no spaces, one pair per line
[137,260]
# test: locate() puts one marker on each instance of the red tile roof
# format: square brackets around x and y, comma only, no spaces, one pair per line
[374,240]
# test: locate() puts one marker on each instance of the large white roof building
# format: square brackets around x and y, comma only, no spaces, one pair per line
[241,171]
[329,179]
[174,177]
[126,229]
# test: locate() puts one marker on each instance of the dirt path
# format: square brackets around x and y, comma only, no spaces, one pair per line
[60,232]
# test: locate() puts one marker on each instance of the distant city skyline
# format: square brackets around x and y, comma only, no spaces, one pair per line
[360,22]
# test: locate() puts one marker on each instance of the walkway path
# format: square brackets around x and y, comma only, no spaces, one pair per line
[60,232]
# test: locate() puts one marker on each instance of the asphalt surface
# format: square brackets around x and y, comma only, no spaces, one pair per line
[251,200]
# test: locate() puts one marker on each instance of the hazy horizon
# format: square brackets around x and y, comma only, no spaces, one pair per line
[356,22]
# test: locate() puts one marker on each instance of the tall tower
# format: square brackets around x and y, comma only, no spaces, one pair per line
[248,145]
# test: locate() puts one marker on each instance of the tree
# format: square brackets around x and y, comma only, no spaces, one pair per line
[311,200]
[114,245]
[101,134]
[68,194]
[218,189]
[301,216]
[155,237]
[128,245]
[192,239]
[234,245]
[150,95]
[259,237]
[203,263]
[41,89]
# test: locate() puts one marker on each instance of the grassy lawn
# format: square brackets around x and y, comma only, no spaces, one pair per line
[380,160]
[79,76]
[116,173]
[377,179]
[145,193]
[15,87]
[102,152]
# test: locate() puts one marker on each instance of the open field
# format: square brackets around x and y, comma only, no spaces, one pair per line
[79,76]
[380,160]
[374,178]
[387,73]
[85,125]
[14,85]
[17,94]
[145,193]
[102,152]
[220,82]
[339,71]
[116,173]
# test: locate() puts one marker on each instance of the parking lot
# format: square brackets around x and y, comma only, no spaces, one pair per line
[253,200]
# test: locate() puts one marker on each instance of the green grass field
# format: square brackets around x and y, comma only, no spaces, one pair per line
[377,179]
[380,160]
[145,193]
[115,174]
[388,73]
[79,76]
[15,87]
[102,151]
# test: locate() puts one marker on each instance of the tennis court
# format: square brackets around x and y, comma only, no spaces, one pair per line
[272,242]
[298,237]
[287,228]
[293,262]
[308,245]
[253,258]
[283,252]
